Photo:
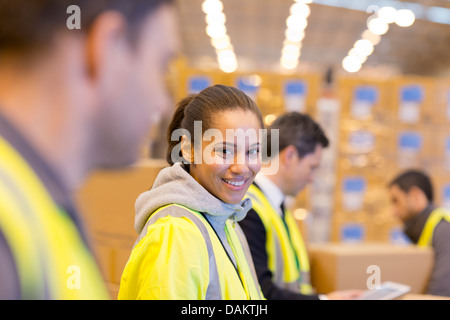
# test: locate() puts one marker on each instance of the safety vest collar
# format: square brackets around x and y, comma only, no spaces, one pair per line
[287,255]
[426,237]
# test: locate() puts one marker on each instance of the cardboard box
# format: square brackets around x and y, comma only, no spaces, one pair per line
[440,112]
[365,100]
[353,266]
[107,199]
[413,99]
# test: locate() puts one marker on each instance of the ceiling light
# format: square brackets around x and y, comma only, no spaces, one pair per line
[300,10]
[404,18]
[226,55]
[291,55]
[377,26]
[354,53]
[289,64]
[372,37]
[216,30]
[216,18]
[212,6]
[227,60]
[351,64]
[296,23]
[364,47]
[388,14]
[290,48]
[294,35]
[228,68]
[221,43]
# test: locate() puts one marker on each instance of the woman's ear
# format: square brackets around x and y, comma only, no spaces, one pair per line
[186,150]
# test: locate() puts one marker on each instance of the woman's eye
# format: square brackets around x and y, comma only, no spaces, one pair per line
[253,152]
[224,152]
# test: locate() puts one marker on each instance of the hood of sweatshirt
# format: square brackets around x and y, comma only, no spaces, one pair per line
[175,185]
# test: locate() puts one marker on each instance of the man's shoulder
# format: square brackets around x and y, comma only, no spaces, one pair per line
[441,235]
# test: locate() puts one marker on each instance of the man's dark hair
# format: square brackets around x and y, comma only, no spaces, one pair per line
[26,25]
[414,178]
[299,130]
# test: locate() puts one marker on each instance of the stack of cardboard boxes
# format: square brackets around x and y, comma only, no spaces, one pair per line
[386,127]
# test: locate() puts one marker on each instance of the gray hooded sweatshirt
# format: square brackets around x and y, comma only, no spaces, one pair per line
[174,185]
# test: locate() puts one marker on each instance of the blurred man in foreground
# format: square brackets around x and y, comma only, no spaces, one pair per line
[71,100]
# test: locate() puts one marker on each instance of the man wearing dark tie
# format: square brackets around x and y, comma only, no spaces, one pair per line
[277,247]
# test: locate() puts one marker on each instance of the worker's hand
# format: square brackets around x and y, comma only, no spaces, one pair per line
[344,294]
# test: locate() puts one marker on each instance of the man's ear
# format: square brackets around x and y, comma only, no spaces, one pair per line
[104,38]
[186,149]
[288,154]
[418,197]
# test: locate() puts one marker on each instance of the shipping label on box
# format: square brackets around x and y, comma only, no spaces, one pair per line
[352,233]
[411,98]
[295,96]
[353,193]
[361,141]
[364,99]
[409,148]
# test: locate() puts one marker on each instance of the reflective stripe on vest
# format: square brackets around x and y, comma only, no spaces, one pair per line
[239,248]
[287,256]
[51,259]
[435,217]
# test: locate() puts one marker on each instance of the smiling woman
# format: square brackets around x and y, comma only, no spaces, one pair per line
[226,166]
[233,162]
[189,245]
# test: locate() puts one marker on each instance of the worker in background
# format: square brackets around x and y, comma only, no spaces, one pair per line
[71,100]
[425,224]
[277,247]
[190,246]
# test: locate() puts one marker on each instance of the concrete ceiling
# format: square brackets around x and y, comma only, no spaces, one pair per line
[256,29]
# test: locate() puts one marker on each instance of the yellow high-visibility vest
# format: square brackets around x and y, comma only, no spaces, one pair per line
[435,217]
[179,256]
[287,256]
[52,260]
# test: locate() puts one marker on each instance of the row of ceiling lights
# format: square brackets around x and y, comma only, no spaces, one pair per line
[377,25]
[217,31]
[296,23]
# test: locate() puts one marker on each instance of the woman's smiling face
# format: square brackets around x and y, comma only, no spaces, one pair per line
[230,155]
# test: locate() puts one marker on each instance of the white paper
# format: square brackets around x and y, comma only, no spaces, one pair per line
[294,102]
[409,112]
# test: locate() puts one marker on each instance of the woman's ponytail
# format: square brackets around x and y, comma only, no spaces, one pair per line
[176,123]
